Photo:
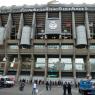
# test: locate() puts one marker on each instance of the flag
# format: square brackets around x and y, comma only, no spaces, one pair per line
[4,59]
[14,60]
[12,64]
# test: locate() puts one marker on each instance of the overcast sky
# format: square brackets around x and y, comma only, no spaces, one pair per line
[32,2]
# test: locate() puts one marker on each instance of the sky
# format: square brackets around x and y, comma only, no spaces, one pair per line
[32,2]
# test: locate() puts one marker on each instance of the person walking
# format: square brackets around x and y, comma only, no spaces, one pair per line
[34,87]
[47,85]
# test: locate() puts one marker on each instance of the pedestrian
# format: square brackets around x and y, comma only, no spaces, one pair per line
[64,88]
[50,84]
[34,87]
[69,88]
[47,85]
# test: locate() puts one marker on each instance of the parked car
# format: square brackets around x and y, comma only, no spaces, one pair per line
[6,82]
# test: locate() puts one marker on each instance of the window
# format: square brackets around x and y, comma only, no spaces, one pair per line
[92,46]
[13,46]
[53,46]
[67,46]
[39,46]
[79,64]
[53,64]
[66,64]
[40,63]
[92,62]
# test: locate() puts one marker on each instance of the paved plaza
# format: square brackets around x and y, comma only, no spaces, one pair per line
[28,91]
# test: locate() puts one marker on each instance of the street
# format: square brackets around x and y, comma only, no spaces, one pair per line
[28,91]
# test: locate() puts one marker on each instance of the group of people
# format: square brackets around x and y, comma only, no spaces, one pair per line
[67,88]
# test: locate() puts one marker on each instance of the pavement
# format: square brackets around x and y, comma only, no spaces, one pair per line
[28,91]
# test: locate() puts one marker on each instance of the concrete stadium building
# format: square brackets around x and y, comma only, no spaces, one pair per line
[48,41]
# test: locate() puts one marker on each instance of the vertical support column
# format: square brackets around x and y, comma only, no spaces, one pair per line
[73,25]
[74,37]
[88,69]
[60,37]
[60,58]
[87,25]
[32,67]
[46,68]
[19,67]
[21,22]
[33,26]
[6,62]
[46,57]
[88,65]
[73,65]
[7,35]
[46,60]
[8,27]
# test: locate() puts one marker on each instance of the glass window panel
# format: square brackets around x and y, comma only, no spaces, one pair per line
[40,60]
[66,66]
[92,46]
[79,67]
[13,46]
[53,63]
[53,46]
[67,46]
[79,60]
[39,46]
[92,62]
[66,60]
[53,66]
[40,66]
[40,63]
[53,60]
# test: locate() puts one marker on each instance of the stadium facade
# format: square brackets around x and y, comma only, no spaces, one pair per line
[53,40]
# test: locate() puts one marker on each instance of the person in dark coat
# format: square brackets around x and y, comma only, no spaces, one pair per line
[69,89]
[47,85]
[64,88]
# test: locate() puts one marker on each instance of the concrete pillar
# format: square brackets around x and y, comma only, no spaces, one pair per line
[21,23]
[74,37]
[73,25]
[60,67]
[60,58]
[74,68]
[6,66]
[87,25]
[8,27]
[32,68]
[18,68]
[88,65]
[46,68]
[88,69]
[6,62]
[33,26]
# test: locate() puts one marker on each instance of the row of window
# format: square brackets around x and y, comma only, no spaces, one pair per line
[53,64]
[51,46]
